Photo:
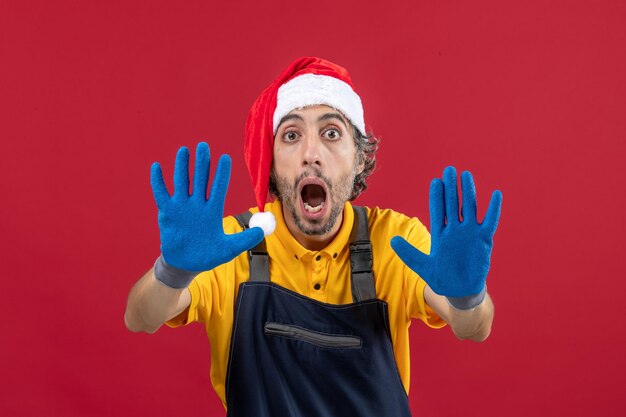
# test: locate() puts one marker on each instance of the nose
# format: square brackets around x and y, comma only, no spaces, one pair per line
[311,152]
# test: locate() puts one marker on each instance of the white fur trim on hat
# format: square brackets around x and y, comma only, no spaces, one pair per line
[265,220]
[312,89]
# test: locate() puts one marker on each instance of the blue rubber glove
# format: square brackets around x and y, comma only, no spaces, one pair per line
[460,252]
[192,234]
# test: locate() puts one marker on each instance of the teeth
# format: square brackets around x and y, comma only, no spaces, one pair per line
[313,209]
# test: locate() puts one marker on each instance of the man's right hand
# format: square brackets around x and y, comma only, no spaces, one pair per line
[192,235]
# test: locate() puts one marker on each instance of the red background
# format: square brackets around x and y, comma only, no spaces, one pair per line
[530,96]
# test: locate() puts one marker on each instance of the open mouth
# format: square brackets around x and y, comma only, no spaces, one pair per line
[313,197]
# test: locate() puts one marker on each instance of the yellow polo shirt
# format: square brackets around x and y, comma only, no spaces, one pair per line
[213,293]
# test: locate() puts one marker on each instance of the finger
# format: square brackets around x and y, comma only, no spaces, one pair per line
[201,170]
[220,184]
[451,195]
[469,197]
[437,207]
[181,173]
[412,257]
[246,240]
[159,190]
[493,213]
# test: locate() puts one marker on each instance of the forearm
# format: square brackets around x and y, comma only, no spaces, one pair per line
[473,324]
[151,303]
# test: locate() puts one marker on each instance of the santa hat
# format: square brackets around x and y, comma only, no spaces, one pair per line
[307,81]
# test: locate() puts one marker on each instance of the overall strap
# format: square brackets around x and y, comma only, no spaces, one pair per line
[361,258]
[258,257]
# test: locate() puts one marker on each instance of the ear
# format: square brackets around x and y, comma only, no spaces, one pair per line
[359,160]
[360,167]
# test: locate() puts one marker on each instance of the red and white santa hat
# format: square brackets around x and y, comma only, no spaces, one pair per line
[307,81]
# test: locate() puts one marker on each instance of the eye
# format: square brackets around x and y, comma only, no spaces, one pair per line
[332,134]
[290,136]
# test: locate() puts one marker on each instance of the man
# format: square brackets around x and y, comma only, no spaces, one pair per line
[312,319]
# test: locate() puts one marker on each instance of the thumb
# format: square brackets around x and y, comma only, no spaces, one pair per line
[412,257]
[246,240]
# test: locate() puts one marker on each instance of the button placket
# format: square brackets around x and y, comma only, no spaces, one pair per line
[319,273]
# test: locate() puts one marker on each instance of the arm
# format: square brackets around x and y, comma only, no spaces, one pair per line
[192,240]
[456,267]
[473,324]
[151,303]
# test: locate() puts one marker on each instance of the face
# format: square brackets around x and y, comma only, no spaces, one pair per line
[314,169]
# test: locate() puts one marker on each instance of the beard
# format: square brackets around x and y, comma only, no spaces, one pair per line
[337,195]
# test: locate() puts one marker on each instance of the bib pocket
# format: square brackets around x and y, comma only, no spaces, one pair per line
[324,340]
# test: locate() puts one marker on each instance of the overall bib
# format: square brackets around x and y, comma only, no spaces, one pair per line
[292,356]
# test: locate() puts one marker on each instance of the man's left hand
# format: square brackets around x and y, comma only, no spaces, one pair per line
[460,252]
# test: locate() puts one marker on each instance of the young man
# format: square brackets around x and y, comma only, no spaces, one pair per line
[307,310]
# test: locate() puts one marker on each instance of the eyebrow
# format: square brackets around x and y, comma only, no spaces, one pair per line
[326,116]
[289,117]
[335,116]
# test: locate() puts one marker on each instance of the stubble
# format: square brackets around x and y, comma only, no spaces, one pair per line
[337,195]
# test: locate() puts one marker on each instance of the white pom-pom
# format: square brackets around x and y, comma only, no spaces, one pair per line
[265,221]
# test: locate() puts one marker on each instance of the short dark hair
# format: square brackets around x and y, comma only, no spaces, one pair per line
[366,147]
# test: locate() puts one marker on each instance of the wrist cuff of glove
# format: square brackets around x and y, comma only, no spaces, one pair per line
[172,277]
[469,302]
